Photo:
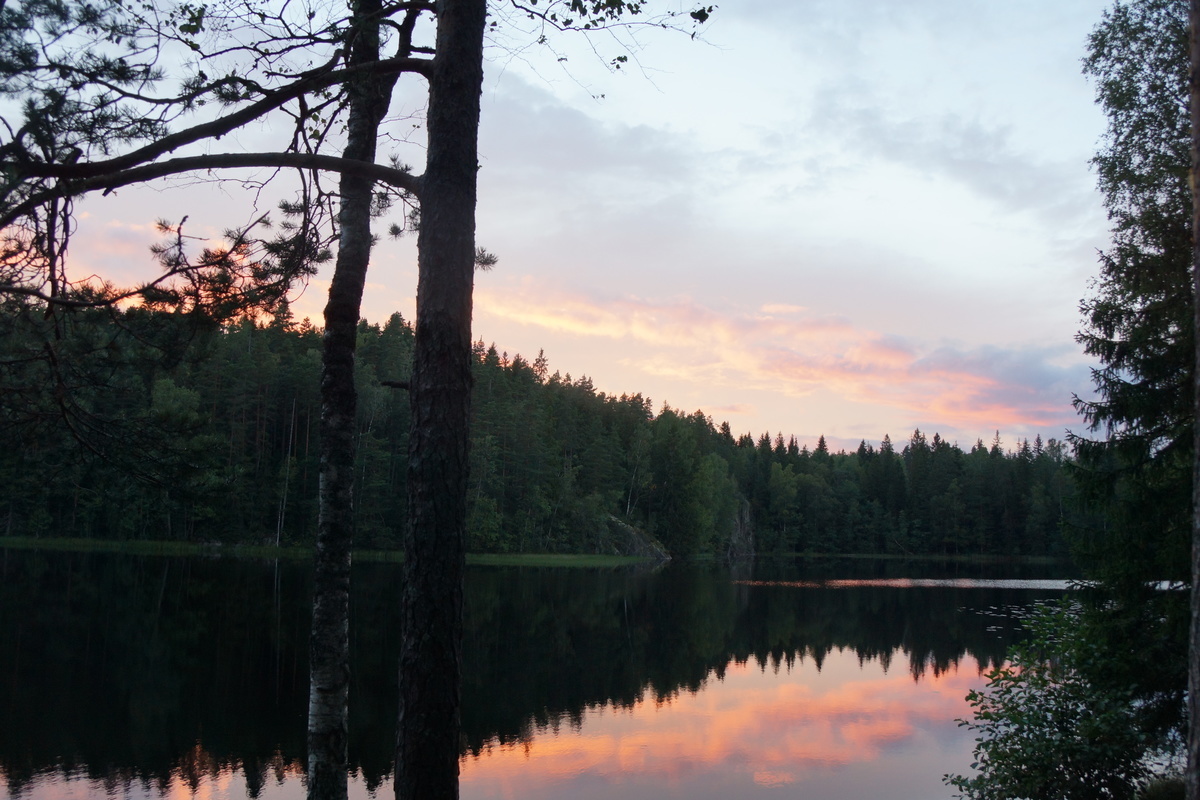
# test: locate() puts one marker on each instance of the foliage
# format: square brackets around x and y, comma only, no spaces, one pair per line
[214,436]
[1087,699]
[1047,730]
[89,104]
[1138,319]
[1137,471]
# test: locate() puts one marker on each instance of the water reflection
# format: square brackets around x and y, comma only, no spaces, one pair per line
[160,677]
[919,583]
[755,727]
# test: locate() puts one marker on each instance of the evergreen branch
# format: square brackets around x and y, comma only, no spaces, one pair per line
[313,80]
[140,174]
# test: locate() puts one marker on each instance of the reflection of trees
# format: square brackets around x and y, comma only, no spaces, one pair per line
[584,639]
[116,667]
[925,625]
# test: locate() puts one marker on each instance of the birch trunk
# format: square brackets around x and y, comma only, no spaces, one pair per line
[1192,772]
[329,643]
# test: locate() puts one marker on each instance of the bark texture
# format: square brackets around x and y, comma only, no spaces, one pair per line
[329,643]
[1192,772]
[428,730]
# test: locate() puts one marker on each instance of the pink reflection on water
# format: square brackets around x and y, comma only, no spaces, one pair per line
[923,583]
[849,729]
[753,732]
[197,777]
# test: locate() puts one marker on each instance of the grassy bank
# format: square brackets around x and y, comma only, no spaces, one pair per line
[166,548]
[157,548]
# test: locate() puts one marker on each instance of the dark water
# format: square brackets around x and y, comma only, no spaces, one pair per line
[155,676]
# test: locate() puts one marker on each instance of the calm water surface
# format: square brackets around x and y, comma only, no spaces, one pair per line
[186,677]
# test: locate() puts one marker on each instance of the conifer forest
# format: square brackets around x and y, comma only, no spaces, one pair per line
[158,428]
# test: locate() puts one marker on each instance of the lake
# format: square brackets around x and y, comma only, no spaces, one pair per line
[148,677]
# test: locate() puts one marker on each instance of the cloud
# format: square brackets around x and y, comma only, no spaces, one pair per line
[734,409]
[782,309]
[113,249]
[1007,116]
[981,157]
[800,354]
[532,139]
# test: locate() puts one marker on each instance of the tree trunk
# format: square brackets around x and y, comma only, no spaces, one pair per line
[1192,772]
[329,644]
[428,731]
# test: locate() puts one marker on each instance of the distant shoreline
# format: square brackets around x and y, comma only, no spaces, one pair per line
[156,547]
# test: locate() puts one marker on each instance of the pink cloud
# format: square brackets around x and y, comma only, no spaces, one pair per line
[801,353]
[735,408]
[782,309]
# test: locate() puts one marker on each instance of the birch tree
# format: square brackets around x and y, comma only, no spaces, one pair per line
[113,93]
[1192,769]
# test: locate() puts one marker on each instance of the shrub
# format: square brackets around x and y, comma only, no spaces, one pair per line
[1048,732]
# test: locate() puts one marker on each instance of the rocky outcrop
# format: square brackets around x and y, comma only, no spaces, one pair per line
[627,540]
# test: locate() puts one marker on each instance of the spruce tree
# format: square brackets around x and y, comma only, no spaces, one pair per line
[1136,462]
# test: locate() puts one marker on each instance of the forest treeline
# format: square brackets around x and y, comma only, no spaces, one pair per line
[144,427]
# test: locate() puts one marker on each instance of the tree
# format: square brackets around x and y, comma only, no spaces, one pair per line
[1097,696]
[1141,324]
[1192,770]
[89,78]
[439,394]
[1138,321]
[1047,730]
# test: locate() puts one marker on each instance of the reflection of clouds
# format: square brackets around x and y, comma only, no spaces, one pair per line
[765,727]
[766,778]
[196,775]
[910,583]
[800,353]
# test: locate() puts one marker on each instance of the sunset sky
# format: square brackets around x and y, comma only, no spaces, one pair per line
[848,219]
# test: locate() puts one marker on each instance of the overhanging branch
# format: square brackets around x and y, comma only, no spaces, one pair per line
[311,81]
[392,176]
[59,300]
[177,166]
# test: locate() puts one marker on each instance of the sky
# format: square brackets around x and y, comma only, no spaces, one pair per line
[848,218]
